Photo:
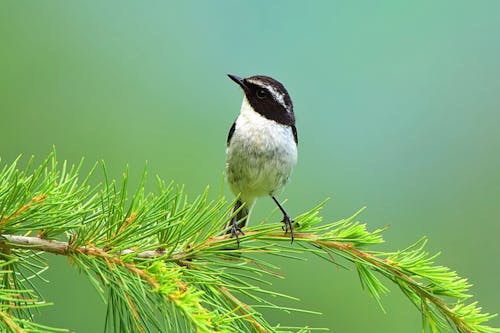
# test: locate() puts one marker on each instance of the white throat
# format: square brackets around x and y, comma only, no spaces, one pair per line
[255,122]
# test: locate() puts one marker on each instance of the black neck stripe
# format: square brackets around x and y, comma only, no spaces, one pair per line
[273,111]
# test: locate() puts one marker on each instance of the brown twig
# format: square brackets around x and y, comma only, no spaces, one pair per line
[10,323]
[242,306]
[18,212]
[128,221]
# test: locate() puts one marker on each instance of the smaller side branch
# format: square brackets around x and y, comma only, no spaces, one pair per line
[242,308]
[33,201]
[10,323]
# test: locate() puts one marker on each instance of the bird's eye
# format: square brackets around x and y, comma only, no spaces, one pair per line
[261,93]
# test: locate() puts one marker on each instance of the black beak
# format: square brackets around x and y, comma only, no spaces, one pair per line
[238,80]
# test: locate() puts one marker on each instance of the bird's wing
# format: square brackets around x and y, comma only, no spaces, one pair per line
[294,131]
[231,132]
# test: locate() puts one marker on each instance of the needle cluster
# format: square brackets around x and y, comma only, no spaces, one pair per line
[163,263]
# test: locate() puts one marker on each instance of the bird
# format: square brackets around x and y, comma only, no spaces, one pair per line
[261,148]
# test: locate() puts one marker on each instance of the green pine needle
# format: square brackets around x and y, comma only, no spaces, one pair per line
[164,263]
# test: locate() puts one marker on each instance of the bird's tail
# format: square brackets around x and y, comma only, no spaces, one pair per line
[241,216]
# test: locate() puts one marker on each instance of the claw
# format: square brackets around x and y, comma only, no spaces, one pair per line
[288,226]
[235,229]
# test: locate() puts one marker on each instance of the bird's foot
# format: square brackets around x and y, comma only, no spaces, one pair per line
[288,225]
[235,230]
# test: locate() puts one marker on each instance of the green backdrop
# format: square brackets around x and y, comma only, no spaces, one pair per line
[397,105]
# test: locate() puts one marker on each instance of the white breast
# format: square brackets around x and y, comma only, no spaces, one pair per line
[260,156]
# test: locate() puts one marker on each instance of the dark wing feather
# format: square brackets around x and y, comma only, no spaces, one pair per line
[231,132]
[295,136]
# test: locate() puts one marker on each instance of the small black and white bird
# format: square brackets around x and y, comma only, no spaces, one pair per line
[261,147]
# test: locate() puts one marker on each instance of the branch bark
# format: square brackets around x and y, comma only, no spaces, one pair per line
[63,248]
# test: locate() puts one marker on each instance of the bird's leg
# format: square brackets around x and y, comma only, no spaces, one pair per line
[235,228]
[286,218]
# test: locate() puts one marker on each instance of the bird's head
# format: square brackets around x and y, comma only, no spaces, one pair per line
[267,97]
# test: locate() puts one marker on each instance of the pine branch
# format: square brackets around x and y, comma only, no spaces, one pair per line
[163,263]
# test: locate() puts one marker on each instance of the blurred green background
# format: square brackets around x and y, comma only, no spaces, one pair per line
[397,104]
